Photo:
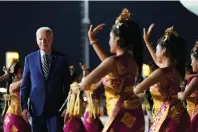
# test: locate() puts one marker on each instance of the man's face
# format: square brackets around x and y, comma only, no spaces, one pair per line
[44,40]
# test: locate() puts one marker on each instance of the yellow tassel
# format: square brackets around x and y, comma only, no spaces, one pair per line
[93,105]
[74,104]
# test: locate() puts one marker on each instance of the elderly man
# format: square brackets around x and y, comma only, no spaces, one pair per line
[45,82]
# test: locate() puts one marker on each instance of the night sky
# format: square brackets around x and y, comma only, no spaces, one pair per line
[20,20]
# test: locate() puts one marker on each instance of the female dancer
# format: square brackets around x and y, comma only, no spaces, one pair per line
[191,91]
[72,118]
[13,121]
[171,116]
[119,74]
[91,119]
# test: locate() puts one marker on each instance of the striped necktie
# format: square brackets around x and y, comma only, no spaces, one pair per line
[45,65]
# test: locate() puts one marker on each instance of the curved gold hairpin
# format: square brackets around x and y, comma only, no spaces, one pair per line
[71,68]
[168,32]
[123,17]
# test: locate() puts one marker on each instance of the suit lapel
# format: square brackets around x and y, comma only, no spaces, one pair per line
[53,64]
[38,63]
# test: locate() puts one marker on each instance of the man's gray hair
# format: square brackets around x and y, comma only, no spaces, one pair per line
[47,29]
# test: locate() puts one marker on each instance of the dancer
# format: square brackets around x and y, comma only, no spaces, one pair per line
[191,91]
[119,74]
[171,116]
[91,119]
[13,121]
[73,113]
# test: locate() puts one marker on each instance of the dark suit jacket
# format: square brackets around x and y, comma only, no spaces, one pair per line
[46,95]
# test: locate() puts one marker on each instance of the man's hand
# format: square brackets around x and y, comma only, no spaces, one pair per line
[25,115]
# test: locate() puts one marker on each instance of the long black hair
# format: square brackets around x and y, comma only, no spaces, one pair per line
[130,40]
[175,49]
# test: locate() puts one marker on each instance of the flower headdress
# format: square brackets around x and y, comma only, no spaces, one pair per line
[13,64]
[168,32]
[123,17]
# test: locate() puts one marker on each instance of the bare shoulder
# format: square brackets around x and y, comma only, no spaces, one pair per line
[110,59]
[159,72]
[195,80]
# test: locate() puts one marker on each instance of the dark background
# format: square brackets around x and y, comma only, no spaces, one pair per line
[20,20]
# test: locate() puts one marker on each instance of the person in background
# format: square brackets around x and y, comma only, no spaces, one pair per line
[13,121]
[91,119]
[190,94]
[45,82]
[74,111]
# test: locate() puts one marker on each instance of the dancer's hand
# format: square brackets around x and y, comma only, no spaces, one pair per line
[84,87]
[146,35]
[64,115]
[180,96]
[92,32]
[85,69]
[25,115]
[6,71]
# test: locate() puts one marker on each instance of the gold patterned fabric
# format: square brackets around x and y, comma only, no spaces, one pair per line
[113,89]
[128,120]
[192,104]
[14,129]
[157,98]
[171,108]
[192,101]
[121,102]
[14,107]
[7,120]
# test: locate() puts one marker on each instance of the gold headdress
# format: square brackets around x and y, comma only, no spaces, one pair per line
[72,68]
[194,50]
[124,16]
[168,32]
[196,44]
[12,65]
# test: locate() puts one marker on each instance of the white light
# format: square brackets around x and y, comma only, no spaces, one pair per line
[191,5]
[85,98]
[10,55]
[3,90]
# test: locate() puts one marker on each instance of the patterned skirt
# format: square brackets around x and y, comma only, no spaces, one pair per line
[74,124]
[14,123]
[128,121]
[95,125]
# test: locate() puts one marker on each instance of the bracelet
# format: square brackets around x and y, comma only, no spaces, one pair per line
[148,45]
[93,42]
